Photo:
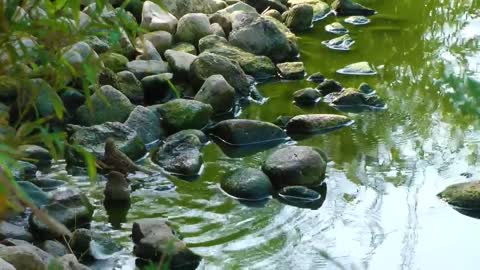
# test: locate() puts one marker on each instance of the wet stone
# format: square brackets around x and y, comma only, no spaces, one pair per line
[360,68]
[291,70]
[342,43]
[357,20]
[336,28]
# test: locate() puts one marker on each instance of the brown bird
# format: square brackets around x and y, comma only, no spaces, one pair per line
[116,160]
[117,187]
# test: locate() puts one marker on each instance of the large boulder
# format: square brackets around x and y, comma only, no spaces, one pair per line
[92,139]
[146,123]
[208,64]
[247,132]
[296,166]
[260,67]
[263,36]
[155,18]
[247,184]
[180,154]
[67,206]
[25,257]
[192,27]
[181,7]
[350,8]
[217,92]
[464,195]
[313,123]
[107,105]
[155,239]
[180,114]
[299,17]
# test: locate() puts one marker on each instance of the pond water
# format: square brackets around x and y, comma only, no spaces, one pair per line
[381,209]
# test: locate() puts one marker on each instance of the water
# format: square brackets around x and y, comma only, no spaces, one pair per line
[381,209]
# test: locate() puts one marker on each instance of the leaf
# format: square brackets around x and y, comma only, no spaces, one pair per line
[57,104]
[59,4]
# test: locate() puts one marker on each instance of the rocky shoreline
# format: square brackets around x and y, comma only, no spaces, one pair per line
[162,96]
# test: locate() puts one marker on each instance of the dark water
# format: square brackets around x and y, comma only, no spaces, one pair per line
[381,209]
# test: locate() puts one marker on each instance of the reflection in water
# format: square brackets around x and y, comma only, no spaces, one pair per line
[381,209]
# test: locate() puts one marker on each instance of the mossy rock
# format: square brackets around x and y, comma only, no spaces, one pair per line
[313,123]
[465,195]
[247,184]
[180,114]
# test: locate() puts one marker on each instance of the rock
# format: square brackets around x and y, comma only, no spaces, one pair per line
[155,239]
[38,155]
[4,265]
[161,40]
[69,207]
[54,248]
[108,105]
[117,187]
[192,27]
[217,30]
[180,62]
[130,86]
[291,70]
[8,88]
[185,47]
[274,14]
[320,8]
[181,7]
[223,20]
[463,195]
[336,28]
[98,45]
[147,50]
[198,133]
[115,160]
[265,36]
[352,98]
[208,64]
[357,20]
[155,18]
[80,54]
[247,132]
[47,184]
[45,96]
[296,166]
[302,197]
[146,124]
[25,257]
[260,67]
[299,17]
[158,88]
[80,242]
[24,170]
[218,93]
[69,262]
[72,99]
[281,121]
[114,61]
[9,230]
[247,184]
[342,43]
[307,96]
[92,139]
[180,155]
[366,89]
[262,5]
[313,123]
[316,78]
[329,86]
[144,68]
[348,8]
[34,193]
[180,114]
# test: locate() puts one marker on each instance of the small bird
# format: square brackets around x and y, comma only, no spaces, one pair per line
[117,188]
[116,160]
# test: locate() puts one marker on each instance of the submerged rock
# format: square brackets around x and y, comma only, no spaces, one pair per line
[336,28]
[299,17]
[366,89]
[352,98]
[313,123]
[349,8]
[247,184]
[92,139]
[208,64]
[180,155]
[342,43]
[192,27]
[360,68]
[303,197]
[329,86]
[260,67]
[155,239]
[247,132]
[180,114]
[217,92]
[108,105]
[307,96]
[156,18]
[291,70]
[465,195]
[357,20]
[296,166]
[316,77]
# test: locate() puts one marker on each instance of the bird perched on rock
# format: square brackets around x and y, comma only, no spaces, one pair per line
[116,160]
[117,188]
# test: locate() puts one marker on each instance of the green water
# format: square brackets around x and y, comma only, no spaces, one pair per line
[381,209]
